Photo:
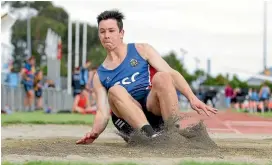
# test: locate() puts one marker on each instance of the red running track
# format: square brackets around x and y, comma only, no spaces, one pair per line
[231,122]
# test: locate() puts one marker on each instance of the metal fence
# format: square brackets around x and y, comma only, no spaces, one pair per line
[56,100]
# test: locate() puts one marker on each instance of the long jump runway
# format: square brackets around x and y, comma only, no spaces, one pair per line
[234,123]
[239,137]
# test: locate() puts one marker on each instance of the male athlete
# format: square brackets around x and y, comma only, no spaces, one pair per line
[135,83]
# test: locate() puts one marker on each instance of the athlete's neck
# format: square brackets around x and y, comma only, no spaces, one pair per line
[117,53]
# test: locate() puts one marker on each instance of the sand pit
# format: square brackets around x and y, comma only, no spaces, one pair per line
[21,143]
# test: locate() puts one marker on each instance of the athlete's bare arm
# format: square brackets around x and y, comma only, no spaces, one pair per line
[156,61]
[103,113]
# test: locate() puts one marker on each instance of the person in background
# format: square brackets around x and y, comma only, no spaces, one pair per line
[84,74]
[90,85]
[264,95]
[253,99]
[12,82]
[228,95]
[233,100]
[38,89]
[12,79]
[240,95]
[82,104]
[210,94]
[49,84]
[28,81]
[76,82]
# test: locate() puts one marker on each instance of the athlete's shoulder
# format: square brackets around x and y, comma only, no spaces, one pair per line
[142,46]
[143,49]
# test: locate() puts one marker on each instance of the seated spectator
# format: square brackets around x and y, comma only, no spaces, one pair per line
[49,84]
[81,103]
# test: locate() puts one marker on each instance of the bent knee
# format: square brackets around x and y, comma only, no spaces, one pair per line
[115,91]
[162,80]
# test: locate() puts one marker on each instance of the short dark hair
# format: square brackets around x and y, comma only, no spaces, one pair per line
[112,14]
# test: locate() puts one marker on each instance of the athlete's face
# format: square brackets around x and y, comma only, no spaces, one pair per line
[109,34]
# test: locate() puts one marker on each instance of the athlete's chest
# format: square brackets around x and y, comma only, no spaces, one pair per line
[128,73]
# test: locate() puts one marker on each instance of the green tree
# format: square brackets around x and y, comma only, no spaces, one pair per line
[172,60]
[199,73]
[220,80]
[56,18]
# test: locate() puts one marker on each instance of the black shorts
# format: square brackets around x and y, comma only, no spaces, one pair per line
[264,99]
[38,93]
[155,121]
[233,100]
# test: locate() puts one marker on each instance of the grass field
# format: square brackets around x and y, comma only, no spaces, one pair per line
[265,114]
[70,163]
[44,118]
[40,117]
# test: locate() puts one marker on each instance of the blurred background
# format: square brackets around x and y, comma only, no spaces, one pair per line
[221,47]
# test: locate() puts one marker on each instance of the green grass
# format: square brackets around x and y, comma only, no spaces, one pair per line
[265,114]
[44,118]
[78,163]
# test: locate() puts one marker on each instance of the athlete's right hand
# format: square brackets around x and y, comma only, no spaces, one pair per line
[88,138]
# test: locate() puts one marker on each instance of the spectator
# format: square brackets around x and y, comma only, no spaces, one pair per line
[233,100]
[81,103]
[200,94]
[240,97]
[76,81]
[38,89]
[264,95]
[28,82]
[49,84]
[253,99]
[228,95]
[12,79]
[84,74]
[210,94]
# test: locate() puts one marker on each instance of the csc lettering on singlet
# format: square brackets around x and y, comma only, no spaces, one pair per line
[128,80]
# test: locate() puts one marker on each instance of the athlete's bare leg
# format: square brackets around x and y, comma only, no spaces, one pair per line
[125,107]
[162,99]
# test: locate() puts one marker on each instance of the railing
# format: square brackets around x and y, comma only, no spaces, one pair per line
[52,98]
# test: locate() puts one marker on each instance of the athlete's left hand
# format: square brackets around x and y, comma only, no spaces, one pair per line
[199,106]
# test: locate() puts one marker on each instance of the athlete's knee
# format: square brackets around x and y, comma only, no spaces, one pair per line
[115,92]
[162,80]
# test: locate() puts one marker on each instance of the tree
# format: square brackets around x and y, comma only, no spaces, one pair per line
[199,73]
[56,18]
[172,60]
[220,80]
